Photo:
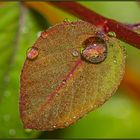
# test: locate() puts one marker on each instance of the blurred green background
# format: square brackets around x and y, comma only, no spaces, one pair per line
[20,25]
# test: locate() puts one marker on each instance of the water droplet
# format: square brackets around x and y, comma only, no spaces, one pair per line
[114,59]
[75,53]
[44,34]
[66,123]
[6,117]
[64,81]
[95,50]
[74,117]
[54,126]
[12,132]
[32,53]
[28,130]
[39,33]
[66,20]
[112,34]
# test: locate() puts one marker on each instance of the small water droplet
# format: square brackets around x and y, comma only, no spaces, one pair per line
[112,34]
[54,126]
[28,130]
[44,34]
[74,117]
[32,53]
[6,117]
[66,20]
[66,123]
[114,59]
[64,81]
[39,33]
[95,50]
[75,53]
[12,132]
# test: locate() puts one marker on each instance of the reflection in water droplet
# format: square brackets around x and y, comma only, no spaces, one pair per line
[95,50]
[12,132]
[112,34]
[32,53]
[75,53]
[6,117]
[44,34]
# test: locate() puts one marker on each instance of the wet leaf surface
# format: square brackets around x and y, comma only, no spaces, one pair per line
[57,87]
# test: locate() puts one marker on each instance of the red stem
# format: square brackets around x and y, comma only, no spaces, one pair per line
[123,32]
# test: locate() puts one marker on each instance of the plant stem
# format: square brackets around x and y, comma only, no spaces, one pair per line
[122,31]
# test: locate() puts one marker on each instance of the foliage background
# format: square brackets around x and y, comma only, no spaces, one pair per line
[20,25]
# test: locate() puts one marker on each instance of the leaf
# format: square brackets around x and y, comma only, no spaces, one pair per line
[18,30]
[57,88]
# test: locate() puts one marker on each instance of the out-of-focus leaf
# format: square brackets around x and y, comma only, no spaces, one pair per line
[58,88]
[18,30]
[49,11]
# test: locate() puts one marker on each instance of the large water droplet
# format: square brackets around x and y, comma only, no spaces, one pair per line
[12,132]
[32,53]
[95,50]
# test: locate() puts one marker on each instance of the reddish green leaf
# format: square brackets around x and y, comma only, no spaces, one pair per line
[58,86]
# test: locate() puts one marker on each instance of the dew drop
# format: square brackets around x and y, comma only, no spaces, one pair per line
[28,130]
[95,50]
[74,117]
[12,132]
[75,53]
[54,126]
[32,53]
[39,33]
[64,81]
[66,20]
[114,59]
[112,34]
[44,34]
